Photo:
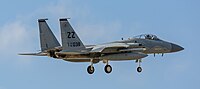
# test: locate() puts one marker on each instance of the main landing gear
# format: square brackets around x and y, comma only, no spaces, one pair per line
[91,69]
[107,68]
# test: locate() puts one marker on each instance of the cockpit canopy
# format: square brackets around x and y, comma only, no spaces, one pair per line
[147,36]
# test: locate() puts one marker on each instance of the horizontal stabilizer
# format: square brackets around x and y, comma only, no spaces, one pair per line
[34,54]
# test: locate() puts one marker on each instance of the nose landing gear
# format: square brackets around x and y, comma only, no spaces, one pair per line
[139,68]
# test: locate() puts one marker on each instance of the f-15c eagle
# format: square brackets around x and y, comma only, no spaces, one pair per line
[73,49]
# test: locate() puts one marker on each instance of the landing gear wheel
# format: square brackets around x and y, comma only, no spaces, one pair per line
[139,69]
[90,69]
[108,69]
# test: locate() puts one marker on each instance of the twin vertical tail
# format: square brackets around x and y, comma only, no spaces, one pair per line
[70,40]
[47,38]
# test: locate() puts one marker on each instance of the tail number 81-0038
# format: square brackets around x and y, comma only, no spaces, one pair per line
[74,44]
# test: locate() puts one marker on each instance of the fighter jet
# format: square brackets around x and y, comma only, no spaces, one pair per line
[73,49]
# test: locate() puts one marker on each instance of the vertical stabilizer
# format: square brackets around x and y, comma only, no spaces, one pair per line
[47,38]
[70,40]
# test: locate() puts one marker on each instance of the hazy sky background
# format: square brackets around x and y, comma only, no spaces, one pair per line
[96,22]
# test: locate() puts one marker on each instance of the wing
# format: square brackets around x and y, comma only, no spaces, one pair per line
[108,48]
[133,50]
[117,47]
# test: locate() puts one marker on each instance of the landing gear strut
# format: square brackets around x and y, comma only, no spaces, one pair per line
[107,68]
[90,68]
[139,68]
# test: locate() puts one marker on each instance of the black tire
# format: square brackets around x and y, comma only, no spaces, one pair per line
[139,69]
[108,69]
[90,69]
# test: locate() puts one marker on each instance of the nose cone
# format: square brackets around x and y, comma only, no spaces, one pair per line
[176,48]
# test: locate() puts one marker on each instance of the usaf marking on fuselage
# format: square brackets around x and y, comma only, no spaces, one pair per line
[74,50]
